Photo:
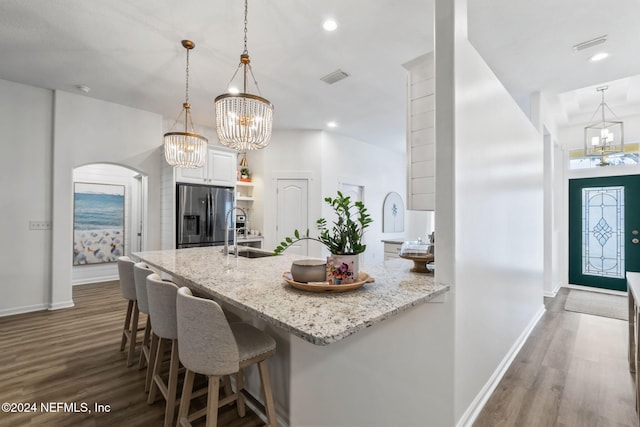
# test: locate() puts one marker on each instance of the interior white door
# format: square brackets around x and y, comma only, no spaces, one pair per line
[292,212]
[356,192]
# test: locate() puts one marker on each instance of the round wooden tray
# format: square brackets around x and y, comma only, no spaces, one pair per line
[325,286]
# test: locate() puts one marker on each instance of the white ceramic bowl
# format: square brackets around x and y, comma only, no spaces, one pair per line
[309,270]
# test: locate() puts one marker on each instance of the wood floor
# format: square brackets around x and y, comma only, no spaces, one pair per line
[72,356]
[571,372]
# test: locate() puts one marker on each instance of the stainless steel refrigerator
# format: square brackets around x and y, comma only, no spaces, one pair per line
[200,219]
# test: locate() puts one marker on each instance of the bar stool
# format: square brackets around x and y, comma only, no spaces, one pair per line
[140,273]
[128,290]
[162,308]
[209,345]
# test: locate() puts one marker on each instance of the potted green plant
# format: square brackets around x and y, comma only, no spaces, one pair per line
[245,174]
[343,239]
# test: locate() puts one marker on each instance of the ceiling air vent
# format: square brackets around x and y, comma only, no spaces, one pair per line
[590,43]
[335,76]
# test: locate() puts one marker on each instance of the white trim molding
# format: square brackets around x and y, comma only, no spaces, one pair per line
[467,419]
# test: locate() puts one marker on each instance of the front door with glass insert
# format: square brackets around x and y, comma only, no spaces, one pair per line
[604,231]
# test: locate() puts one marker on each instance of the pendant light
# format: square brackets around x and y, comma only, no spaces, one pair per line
[185,149]
[605,137]
[244,120]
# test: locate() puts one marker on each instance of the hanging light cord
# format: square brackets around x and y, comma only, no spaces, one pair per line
[603,105]
[187,83]
[246,12]
[186,107]
[246,64]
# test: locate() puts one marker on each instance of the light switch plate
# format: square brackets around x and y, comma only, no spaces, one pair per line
[39,225]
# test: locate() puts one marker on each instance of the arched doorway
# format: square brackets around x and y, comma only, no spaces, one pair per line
[108,219]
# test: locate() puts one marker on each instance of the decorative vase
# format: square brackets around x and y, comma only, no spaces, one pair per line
[343,269]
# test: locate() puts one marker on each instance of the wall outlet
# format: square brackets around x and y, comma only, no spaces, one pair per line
[39,225]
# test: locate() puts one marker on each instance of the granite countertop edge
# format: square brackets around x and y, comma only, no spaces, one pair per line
[385,303]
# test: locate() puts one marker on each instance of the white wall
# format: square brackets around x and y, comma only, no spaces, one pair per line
[380,171]
[329,159]
[290,154]
[490,181]
[88,131]
[26,120]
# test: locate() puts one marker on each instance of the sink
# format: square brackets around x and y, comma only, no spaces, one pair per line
[254,253]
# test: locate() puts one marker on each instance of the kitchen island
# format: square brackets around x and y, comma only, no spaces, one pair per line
[332,367]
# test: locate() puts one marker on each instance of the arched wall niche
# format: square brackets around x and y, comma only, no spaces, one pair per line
[108,219]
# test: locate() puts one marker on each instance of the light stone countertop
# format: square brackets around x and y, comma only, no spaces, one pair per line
[256,286]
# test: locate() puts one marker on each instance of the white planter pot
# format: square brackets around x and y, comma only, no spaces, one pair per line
[343,269]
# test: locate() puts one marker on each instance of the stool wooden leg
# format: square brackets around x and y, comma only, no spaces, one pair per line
[185,401]
[156,371]
[240,407]
[152,362]
[172,386]
[133,337]
[212,401]
[226,382]
[127,321]
[268,395]
[144,350]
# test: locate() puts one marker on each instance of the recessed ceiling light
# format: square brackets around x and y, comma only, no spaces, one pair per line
[332,124]
[330,25]
[599,57]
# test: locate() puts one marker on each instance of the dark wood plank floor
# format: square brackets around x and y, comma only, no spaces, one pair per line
[72,356]
[571,372]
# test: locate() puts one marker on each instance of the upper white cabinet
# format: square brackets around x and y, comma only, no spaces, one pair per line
[220,169]
[421,173]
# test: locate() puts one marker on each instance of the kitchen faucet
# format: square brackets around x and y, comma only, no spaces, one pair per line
[235,231]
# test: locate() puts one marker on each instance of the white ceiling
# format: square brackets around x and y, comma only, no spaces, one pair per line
[129,52]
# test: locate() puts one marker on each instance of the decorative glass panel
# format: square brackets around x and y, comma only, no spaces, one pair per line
[603,232]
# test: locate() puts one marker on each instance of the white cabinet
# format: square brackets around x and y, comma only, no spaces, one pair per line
[392,249]
[193,176]
[220,169]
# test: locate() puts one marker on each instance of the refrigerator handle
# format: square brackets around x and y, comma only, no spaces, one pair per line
[210,216]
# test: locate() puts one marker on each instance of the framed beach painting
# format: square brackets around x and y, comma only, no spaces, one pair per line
[98,223]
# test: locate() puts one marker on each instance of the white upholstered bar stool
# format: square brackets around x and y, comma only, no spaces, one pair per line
[140,273]
[162,308]
[128,290]
[211,346]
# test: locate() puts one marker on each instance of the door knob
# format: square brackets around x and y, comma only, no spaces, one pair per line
[634,232]
[635,240]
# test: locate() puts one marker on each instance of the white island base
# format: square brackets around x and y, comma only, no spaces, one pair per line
[394,373]
[377,356]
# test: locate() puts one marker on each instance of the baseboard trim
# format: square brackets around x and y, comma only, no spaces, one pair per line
[95,279]
[60,305]
[553,293]
[468,418]
[21,310]
[593,289]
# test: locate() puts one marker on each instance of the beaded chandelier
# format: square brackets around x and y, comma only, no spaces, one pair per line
[244,120]
[185,149]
